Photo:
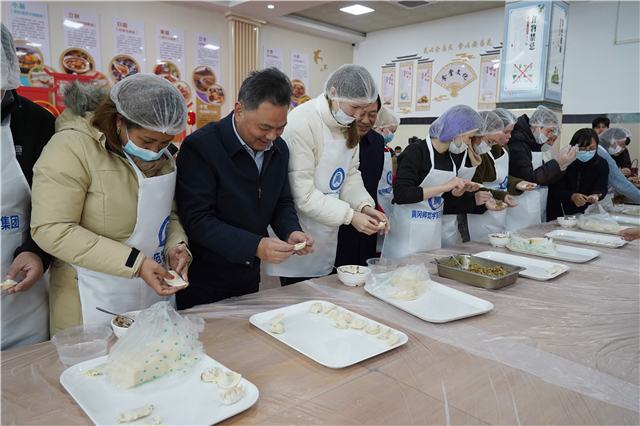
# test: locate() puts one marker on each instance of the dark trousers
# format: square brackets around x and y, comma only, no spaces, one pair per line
[285,281]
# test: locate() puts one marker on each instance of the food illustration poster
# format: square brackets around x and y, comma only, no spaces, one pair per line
[299,78]
[557,43]
[82,52]
[170,50]
[455,76]
[405,84]
[388,85]
[206,79]
[129,48]
[488,86]
[28,22]
[524,48]
[272,57]
[423,86]
[206,111]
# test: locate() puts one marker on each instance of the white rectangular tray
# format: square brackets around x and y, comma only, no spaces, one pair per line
[633,211]
[315,336]
[601,240]
[635,221]
[604,231]
[439,303]
[535,269]
[565,253]
[180,398]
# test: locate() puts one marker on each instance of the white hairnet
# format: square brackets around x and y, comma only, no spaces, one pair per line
[387,118]
[613,135]
[457,120]
[506,116]
[544,117]
[10,68]
[151,102]
[353,83]
[491,124]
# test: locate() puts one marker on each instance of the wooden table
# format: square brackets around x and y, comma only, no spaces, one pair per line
[564,351]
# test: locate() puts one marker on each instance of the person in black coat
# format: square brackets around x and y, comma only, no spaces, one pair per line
[232,184]
[354,248]
[585,181]
[31,128]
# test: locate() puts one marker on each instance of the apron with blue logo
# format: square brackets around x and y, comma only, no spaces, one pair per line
[117,294]
[385,192]
[416,228]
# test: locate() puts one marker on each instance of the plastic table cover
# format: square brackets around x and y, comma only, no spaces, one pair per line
[563,351]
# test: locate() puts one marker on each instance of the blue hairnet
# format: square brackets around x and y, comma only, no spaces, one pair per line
[455,121]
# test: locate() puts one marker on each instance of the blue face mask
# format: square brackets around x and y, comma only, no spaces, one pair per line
[388,138]
[142,153]
[585,156]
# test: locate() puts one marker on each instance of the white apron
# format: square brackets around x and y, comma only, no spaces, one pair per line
[117,294]
[329,175]
[495,221]
[450,221]
[417,227]
[532,205]
[385,193]
[25,315]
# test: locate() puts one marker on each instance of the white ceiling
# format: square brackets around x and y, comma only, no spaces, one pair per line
[325,18]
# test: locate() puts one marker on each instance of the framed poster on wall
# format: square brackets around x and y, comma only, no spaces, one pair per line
[388,85]
[557,45]
[423,86]
[405,84]
[488,85]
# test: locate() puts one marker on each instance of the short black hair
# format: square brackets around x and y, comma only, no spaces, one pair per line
[600,120]
[268,85]
[397,147]
[584,137]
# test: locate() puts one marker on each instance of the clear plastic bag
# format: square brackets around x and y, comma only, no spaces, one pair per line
[533,245]
[406,283]
[160,342]
[595,218]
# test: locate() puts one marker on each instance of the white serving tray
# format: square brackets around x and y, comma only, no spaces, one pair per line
[565,253]
[587,238]
[634,211]
[439,303]
[635,221]
[535,268]
[316,337]
[603,231]
[180,398]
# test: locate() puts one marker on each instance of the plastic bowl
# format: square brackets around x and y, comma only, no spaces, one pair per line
[82,343]
[567,221]
[357,276]
[615,208]
[118,329]
[380,265]
[499,240]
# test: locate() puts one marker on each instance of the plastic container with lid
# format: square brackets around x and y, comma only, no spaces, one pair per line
[82,343]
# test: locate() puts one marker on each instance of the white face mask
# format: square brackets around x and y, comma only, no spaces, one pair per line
[454,149]
[541,138]
[482,148]
[545,147]
[614,151]
[342,117]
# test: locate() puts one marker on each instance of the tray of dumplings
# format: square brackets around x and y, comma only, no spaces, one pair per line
[328,334]
[204,395]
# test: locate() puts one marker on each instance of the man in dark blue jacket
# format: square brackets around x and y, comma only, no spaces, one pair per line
[232,184]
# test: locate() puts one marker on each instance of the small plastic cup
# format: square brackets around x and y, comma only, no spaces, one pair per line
[380,265]
[82,343]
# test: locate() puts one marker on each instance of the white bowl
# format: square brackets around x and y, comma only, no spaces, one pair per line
[499,240]
[357,276]
[615,208]
[119,330]
[567,222]
[81,343]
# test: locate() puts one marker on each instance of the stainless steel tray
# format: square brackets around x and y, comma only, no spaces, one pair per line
[478,280]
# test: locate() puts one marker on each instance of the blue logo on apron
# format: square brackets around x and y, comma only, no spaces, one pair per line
[503,185]
[162,235]
[436,202]
[390,178]
[336,179]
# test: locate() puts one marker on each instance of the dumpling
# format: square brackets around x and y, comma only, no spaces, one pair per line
[341,324]
[346,317]
[384,334]
[277,329]
[211,374]
[334,314]
[330,308]
[275,320]
[131,415]
[229,379]
[300,246]
[7,284]
[374,329]
[359,323]
[232,395]
[315,308]
[395,338]
[176,281]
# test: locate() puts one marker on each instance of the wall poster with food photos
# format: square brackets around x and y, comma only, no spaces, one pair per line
[28,23]
[82,53]
[388,85]
[129,49]
[170,56]
[405,84]
[206,79]
[423,85]
[299,78]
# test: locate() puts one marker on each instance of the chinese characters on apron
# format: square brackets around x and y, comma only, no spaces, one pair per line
[417,227]
[155,198]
